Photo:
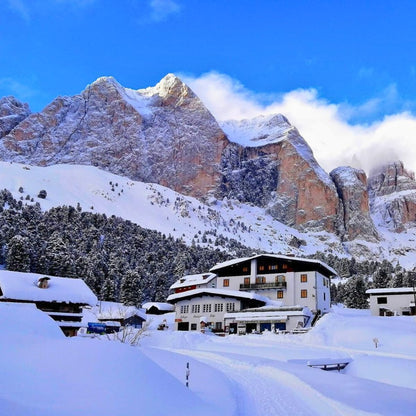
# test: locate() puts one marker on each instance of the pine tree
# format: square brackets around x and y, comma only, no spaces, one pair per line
[18,254]
[355,296]
[129,289]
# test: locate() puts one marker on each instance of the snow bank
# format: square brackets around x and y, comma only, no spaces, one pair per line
[357,329]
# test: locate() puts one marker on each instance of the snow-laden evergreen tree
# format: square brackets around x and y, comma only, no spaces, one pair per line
[355,296]
[129,289]
[108,291]
[18,254]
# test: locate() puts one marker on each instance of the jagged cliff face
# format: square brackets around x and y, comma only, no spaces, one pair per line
[162,134]
[355,208]
[274,167]
[165,134]
[12,112]
[393,196]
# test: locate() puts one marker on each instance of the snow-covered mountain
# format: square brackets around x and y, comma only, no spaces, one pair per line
[253,180]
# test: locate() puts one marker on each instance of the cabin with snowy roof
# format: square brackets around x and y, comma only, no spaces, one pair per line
[158,308]
[123,315]
[60,297]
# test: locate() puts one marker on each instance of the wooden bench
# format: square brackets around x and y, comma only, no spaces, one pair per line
[329,364]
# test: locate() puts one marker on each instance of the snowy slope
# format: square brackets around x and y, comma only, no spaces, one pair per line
[258,131]
[156,207]
[159,208]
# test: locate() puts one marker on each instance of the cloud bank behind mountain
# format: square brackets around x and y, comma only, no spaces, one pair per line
[327,127]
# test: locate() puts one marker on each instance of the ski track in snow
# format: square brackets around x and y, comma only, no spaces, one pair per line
[264,390]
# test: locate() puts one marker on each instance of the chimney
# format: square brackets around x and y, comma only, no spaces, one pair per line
[43,282]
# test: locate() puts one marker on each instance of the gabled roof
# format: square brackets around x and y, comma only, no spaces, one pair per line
[193,279]
[23,287]
[316,263]
[236,294]
[161,306]
[390,291]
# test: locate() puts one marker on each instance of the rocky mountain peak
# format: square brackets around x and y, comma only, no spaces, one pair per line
[390,178]
[12,112]
[173,92]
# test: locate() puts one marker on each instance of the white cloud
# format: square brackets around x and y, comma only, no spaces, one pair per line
[324,125]
[21,91]
[161,9]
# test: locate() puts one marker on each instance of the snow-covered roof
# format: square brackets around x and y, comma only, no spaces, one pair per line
[390,290]
[193,279]
[276,256]
[25,319]
[216,292]
[162,306]
[115,310]
[23,287]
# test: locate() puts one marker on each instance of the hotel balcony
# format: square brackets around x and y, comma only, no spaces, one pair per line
[260,286]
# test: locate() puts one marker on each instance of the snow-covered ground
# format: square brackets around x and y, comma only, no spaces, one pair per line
[44,374]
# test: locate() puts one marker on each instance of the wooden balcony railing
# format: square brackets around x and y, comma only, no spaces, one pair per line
[260,286]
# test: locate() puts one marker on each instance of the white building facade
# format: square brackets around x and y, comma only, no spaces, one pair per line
[296,289]
[392,301]
[290,280]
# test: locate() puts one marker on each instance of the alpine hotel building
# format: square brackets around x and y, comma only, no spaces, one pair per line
[262,292]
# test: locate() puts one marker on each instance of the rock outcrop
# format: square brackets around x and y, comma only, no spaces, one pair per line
[355,208]
[12,112]
[393,196]
[276,169]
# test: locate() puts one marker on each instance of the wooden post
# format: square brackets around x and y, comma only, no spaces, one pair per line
[187,373]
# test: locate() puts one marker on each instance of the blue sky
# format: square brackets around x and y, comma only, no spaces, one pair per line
[359,56]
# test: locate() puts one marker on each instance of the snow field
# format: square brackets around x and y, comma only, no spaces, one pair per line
[44,373]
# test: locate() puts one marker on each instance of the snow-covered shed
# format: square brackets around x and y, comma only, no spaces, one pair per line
[158,308]
[120,313]
[60,297]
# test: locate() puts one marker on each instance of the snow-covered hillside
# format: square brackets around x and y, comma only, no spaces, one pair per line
[159,208]
[251,375]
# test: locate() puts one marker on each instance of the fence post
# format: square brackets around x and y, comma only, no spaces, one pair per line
[187,373]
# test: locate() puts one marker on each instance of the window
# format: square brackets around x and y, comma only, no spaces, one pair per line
[261,268]
[324,296]
[303,278]
[196,308]
[219,307]
[230,307]
[279,279]
[260,279]
[303,293]
[193,327]
[226,282]
[218,326]
[245,269]
[280,294]
[382,301]
[273,267]
[246,281]
[185,309]
[284,266]
[206,308]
